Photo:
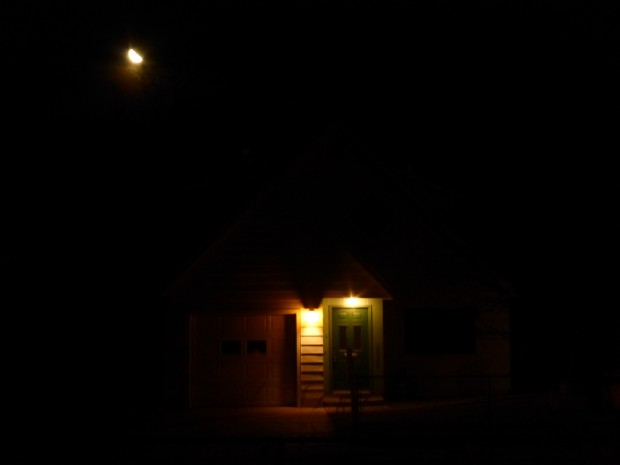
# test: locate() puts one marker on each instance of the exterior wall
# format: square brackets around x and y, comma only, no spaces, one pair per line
[493,344]
[313,351]
[419,375]
[410,376]
[311,358]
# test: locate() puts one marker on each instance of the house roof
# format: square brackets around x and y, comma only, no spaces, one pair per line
[331,222]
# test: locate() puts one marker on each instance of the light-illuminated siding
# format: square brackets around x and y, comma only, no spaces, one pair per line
[312,375]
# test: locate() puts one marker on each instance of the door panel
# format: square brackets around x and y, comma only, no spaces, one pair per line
[350,339]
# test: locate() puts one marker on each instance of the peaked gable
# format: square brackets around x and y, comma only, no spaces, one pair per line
[335,222]
[272,254]
[399,227]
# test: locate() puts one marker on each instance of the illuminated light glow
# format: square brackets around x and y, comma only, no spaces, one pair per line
[134,57]
[351,301]
[311,317]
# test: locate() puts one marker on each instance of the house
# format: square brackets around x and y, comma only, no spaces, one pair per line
[339,275]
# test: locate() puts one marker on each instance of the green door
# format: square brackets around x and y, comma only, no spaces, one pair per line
[350,354]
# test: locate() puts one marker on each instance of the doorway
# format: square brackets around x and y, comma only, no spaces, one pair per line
[350,348]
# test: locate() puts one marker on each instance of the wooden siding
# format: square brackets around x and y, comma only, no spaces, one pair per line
[311,356]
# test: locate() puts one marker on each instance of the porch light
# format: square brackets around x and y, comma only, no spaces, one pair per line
[310,316]
[351,301]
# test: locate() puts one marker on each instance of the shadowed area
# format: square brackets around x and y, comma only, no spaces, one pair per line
[535,428]
[502,115]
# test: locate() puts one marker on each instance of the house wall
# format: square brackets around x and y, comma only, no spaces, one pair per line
[411,376]
[311,358]
[494,347]
[312,379]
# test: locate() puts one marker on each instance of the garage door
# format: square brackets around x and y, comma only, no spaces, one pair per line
[244,360]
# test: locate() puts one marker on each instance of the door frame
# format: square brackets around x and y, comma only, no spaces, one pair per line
[375,343]
[361,356]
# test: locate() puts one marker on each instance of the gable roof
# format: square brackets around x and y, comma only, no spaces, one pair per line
[332,222]
[271,254]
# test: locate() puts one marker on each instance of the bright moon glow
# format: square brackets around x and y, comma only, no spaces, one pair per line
[134,57]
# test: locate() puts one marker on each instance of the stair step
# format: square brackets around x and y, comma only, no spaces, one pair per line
[313,387]
[366,399]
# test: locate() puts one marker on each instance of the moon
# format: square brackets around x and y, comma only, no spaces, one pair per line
[134,57]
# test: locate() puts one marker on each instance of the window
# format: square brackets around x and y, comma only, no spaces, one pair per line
[440,331]
[235,347]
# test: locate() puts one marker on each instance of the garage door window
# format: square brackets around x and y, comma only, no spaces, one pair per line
[252,347]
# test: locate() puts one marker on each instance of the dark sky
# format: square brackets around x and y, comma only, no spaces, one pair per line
[107,189]
[509,105]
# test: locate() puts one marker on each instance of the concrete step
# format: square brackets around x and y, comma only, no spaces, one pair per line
[343,399]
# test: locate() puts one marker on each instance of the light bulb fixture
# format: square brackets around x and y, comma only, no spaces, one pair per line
[310,316]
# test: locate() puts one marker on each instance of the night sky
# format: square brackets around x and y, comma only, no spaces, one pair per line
[108,188]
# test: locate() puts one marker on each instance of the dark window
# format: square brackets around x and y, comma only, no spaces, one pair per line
[342,337]
[357,337]
[440,331]
[231,347]
[257,347]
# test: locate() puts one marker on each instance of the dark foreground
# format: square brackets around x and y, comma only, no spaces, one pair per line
[516,429]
